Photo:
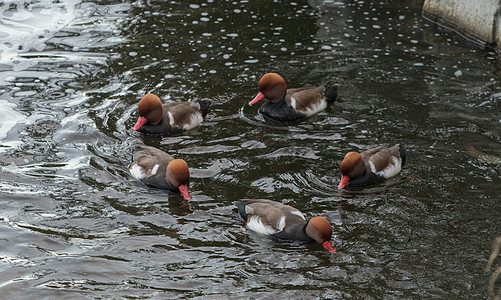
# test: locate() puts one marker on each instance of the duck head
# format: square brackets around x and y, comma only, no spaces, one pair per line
[272,87]
[178,175]
[320,230]
[352,166]
[150,111]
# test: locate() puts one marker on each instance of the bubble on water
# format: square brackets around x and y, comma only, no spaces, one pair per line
[194,6]
[458,73]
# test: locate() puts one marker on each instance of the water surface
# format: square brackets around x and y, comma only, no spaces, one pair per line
[74,224]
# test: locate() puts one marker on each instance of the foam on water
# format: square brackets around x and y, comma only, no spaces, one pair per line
[9,117]
[26,26]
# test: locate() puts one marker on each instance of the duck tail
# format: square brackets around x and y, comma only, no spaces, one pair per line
[330,93]
[403,153]
[204,106]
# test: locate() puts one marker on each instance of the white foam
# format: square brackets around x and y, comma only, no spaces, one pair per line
[9,118]
[27,28]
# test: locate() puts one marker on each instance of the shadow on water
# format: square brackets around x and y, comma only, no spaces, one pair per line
[74,223]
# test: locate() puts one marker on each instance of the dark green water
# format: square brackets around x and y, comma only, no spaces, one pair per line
[74,224]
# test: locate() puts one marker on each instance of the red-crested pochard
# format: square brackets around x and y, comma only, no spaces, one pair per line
[288,105]
[371,166]
[165,119]
[284,222]
[158,169]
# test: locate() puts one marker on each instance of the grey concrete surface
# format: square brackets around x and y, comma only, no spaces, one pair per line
[478,20]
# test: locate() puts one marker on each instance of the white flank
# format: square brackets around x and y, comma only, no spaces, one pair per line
[281,224]
[373,167]
[392,169]
[195,119]
[171,118]
[293,102]
[155,169]
[308,111]
[297,212]
[256,224]
[137,171]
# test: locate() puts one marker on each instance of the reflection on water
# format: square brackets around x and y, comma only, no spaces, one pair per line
[47,31]
[73,223]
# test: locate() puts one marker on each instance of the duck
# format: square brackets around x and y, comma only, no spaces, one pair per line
[156,118]
[284,222]
[371,166]
[157,169]
[289,105]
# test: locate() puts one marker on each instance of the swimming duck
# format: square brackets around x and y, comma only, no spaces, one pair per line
[371,166]
[165,119]
[284,222]
[157,169]
[287,105]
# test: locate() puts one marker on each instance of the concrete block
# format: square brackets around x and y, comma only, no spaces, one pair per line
[479,20]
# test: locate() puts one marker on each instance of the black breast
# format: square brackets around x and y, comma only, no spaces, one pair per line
[295,233]
[366,179]
[280,112]
[162,128]
[158,180]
